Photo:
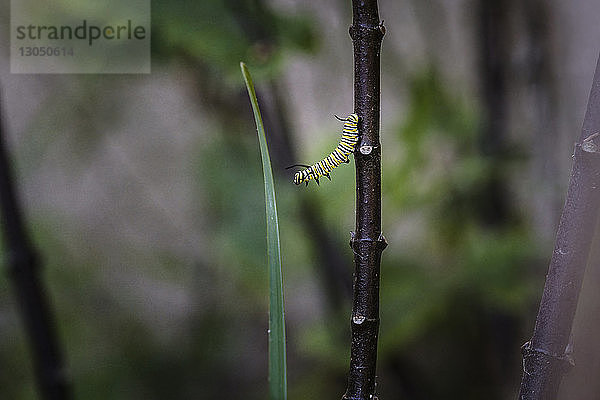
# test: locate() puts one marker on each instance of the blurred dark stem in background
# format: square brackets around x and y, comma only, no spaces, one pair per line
[540,66]
[493,205]
[494,36]
[24,269]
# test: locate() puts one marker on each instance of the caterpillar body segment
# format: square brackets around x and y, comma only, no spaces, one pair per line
[338,156]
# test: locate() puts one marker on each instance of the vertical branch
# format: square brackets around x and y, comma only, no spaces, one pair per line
[23,267]
[367,242]
[545,356]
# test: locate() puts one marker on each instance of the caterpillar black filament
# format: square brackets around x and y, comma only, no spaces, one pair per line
[339,155]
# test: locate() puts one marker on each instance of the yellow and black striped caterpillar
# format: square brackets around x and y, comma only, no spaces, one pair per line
[339,155]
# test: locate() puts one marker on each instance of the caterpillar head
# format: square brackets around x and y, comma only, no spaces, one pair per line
[298,178]
[352,118]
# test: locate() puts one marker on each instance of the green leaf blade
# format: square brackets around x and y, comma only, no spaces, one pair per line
[277,353]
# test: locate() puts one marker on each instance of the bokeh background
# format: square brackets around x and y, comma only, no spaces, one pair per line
[144,195]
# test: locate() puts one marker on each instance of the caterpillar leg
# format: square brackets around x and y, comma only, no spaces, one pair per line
[327,176]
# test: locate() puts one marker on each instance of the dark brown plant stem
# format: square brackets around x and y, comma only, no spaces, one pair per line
[24,267]
[367,241]
[545,356]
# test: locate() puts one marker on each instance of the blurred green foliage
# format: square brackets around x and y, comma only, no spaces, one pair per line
[452,283]
[220,33]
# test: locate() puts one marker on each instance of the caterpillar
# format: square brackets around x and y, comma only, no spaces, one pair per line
[339,155]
